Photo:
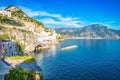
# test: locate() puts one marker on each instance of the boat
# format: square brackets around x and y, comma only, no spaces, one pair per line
[69,47]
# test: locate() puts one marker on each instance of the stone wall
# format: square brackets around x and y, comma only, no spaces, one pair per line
[10,48]
[1,77]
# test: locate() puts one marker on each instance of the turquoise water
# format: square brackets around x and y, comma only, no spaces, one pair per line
[92,60]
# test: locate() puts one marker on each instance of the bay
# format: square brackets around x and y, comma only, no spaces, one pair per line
[91,60]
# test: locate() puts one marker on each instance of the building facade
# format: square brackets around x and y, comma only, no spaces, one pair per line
[5,13]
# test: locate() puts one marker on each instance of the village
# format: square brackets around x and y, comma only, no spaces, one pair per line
[10,56]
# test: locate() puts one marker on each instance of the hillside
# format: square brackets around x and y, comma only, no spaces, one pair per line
[68,32]
[20,20]
[16,25]
[90,31]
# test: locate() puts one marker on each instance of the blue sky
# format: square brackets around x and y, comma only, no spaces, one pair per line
[70,13]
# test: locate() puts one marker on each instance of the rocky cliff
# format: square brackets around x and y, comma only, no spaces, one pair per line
[23,37]
[19,27]
[22,20]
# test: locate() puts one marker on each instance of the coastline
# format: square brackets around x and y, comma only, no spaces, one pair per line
[94,38]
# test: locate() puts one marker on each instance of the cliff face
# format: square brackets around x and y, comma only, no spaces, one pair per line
[17,34]
[19,27]
[23,20]
[16,25]
[11,48]
[23,37]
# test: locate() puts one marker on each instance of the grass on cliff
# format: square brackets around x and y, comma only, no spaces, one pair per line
[25,58]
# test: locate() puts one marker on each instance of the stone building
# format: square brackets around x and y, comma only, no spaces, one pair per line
[4,67]
[10,48]
[5,13]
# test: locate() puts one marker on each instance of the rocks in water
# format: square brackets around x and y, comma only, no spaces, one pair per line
[41,47]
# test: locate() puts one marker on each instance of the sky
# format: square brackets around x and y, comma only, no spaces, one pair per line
[70,13]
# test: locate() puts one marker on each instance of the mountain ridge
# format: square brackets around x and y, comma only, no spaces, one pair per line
[91,31]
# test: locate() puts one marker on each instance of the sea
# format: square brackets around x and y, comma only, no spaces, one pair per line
[93,59]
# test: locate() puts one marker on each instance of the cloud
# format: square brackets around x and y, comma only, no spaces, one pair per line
[58,20]
[49,21]
[109,24]
[33,13]
[53,19]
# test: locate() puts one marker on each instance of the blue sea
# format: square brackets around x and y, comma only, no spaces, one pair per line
[91,60]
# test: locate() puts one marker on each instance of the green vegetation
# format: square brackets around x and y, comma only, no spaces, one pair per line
[22,30]
[21,15]
[12,37]
[9,7]
[25,58]
[29,19]
[9,21]
[4,36]
[1,16]
[48,30]
[21,46]
[19,35]
[18,13]
[5,20]
[7,36]
[20,74]
[4,29]
[30,60]
[59,37]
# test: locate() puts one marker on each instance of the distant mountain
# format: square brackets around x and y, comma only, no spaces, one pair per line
[116,31]
[70,32]
[90,31]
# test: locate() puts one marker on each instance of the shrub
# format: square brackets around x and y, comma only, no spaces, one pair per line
[4,36]
[47,30]
[21,46]
[20,74]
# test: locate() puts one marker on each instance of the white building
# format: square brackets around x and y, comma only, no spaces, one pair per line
[46,36]
[4,13]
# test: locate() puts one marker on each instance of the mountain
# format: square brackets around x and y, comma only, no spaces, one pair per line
[18,26]
[70,32]
[116,31]
[21,20]
[91,31]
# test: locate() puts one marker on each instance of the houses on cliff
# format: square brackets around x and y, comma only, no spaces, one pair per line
[5,13]
[45,36]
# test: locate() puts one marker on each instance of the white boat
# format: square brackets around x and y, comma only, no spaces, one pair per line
[69,47]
